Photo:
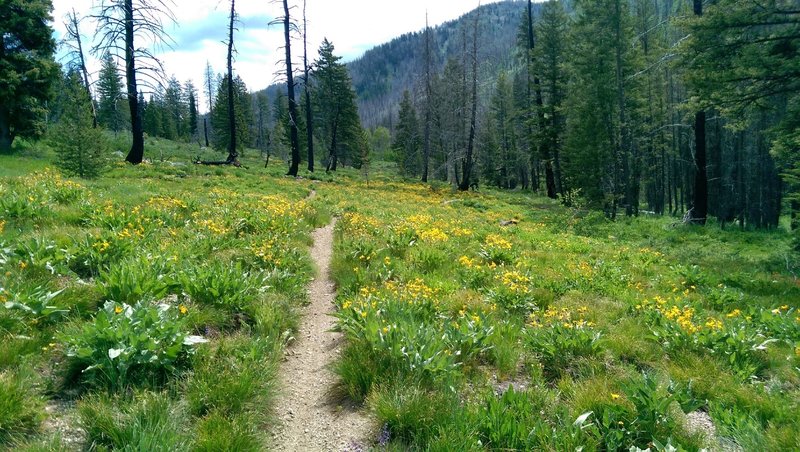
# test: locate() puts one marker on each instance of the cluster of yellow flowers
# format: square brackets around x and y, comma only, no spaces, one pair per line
[358,224]
[280,206]
[459,231]
[684,315]
[267,252]
[564,317]
[464,313]
[515,281]
[131,231]
[166,203]
[419,220]
[2,226]
[470,263]
[582,269]
[433,235]
[101,246]
[780,310]
[215,227]
[650,252]
[495,241]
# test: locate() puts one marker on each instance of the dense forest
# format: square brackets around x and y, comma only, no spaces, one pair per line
[596,104]
[662,107]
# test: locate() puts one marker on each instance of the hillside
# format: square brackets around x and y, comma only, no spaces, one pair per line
[384,72]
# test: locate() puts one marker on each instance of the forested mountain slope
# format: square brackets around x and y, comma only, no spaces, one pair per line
[384,72]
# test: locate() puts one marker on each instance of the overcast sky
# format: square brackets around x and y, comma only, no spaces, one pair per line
[353,26]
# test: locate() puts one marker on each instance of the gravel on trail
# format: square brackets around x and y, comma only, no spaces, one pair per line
[310,416]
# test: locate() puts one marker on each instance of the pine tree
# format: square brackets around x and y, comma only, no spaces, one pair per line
[110,98]
[406,143]
[337,121]
[503,115]
[244,113]
[27,68]
[599,137]
[551,59]
[190,94]
[80,145]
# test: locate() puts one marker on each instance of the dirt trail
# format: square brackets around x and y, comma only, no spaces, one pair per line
[310,418]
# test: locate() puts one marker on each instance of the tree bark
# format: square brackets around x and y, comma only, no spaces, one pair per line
[700,212]
[233,153]
[293,132]
[73,18]
[307,89]
[205,129]
[136,154]
[467,168]
[426,147]
[6,136]
[544,149]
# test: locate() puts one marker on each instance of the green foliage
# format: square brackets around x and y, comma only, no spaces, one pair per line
[337,123]
[112,108]
[220,284]
[149,422]
[559,345]
[81,147]
[21,409]
[217,432]
[233,378]
[243,108]
[36,304]
[124,344]
[27,69]
[133,280]
[406,145]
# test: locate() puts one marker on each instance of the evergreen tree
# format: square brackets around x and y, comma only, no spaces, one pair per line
[244,112]
[80,145]
[406,143]
[503,115]
[599,139]
[261,129]
[110,98]
[743,58]
[551,58]
[337,121]
[27,68]
[177,111]
[190,94]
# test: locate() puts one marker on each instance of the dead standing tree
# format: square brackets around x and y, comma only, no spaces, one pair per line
[288,28]
[466,177]
[307,90]
[121,24]
[233,153]
[77,57]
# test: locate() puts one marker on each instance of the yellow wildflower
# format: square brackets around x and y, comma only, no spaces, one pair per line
[614,396]
[118,310]
[183,309]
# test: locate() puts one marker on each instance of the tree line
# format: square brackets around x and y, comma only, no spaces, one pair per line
[132,95]
[664,106]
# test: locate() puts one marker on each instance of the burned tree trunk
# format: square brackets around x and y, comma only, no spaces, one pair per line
[294,137]
[136,154]
[700,207]
[233,153]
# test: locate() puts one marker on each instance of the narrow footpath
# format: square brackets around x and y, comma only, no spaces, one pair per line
[310,417]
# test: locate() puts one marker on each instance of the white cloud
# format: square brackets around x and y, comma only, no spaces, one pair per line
[352,25]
